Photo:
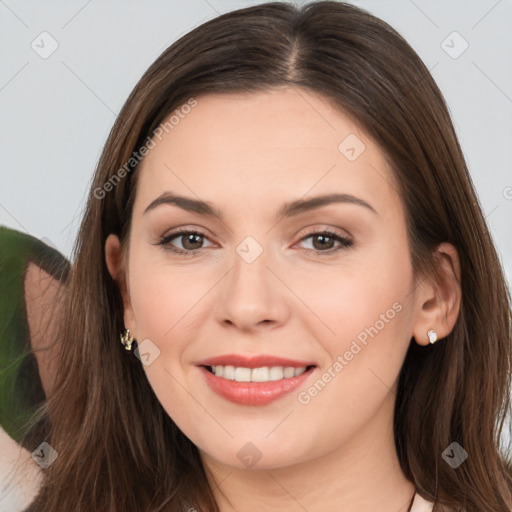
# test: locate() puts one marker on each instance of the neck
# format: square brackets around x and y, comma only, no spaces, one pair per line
[362,474]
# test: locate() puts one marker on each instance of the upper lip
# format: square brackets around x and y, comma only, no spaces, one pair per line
[257,361]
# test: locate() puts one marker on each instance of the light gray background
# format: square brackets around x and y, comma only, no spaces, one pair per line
[56,112]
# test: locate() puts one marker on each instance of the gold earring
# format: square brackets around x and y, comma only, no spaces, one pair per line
[126,339]
[432,336]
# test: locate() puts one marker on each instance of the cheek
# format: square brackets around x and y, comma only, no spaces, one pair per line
[163,296]
[368,312]
[366,291]
[165,302]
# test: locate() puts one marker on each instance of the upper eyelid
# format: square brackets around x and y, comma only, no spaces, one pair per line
[183,231]
[307,231]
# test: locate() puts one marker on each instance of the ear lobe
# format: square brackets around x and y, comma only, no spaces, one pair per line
[439,298]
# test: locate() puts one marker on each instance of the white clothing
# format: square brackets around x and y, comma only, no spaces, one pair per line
[421,504]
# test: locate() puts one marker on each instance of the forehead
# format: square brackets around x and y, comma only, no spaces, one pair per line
[286,142]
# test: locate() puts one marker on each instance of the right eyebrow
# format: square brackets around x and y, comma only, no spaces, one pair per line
[185,203]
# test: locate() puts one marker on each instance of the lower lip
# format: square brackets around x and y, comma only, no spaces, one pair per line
[253,393]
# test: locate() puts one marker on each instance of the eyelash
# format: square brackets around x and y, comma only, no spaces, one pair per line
[165,242]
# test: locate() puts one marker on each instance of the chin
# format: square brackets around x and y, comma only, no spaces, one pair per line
[252,456]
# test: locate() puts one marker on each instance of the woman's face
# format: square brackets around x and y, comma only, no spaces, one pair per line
[304,264]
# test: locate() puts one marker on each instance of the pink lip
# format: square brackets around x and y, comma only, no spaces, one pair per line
[253,393]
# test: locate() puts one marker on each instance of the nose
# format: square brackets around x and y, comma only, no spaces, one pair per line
[252,297]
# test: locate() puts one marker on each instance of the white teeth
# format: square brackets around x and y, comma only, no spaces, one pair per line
[264,374]
[289,372]
[229,372]
[276,373]
[243,374]
[259,374]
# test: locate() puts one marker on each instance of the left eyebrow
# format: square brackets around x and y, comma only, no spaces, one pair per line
[288,210]
[304,205]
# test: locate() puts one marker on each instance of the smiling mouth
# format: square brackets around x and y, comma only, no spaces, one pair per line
[261,374]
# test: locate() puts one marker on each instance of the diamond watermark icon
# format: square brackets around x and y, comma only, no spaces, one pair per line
[249,454]
[454,455]
[351,147]
[454,45]
[147,352]
[249,249]
[44,455]
[44,45]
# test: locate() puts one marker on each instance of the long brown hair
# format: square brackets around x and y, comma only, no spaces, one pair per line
[118,449]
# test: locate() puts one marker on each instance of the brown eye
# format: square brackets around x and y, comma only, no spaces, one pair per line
[190,241]
[324,242]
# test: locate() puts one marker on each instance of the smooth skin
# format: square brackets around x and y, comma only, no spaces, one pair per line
[304,298]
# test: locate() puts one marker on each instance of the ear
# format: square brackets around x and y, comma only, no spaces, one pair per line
[116,267]
[438,299]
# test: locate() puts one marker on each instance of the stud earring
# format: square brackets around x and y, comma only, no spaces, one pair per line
[127,340]
[432,336]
